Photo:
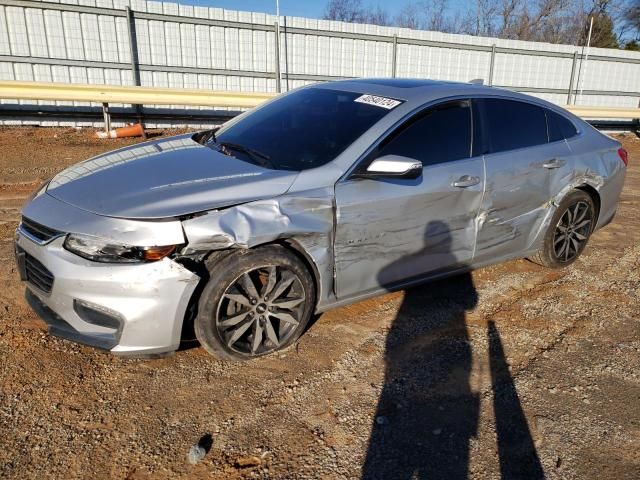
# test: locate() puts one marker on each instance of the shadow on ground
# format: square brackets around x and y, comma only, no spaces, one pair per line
[428,414]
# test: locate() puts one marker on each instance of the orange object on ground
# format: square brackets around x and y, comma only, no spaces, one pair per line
[135,130]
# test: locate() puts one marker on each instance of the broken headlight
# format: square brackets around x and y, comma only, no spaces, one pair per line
[102,250]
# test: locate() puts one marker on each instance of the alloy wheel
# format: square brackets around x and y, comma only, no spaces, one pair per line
[260,310]
[572,231]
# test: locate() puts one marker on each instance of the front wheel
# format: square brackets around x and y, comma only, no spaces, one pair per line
[256,302]
[569,231]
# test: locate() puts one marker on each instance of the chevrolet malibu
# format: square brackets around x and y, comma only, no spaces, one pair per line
[321,197]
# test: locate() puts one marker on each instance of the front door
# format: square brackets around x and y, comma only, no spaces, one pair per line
[390,231]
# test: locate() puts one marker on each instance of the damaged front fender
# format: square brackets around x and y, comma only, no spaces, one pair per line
[305,218]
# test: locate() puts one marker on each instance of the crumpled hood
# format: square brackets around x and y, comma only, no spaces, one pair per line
[165,178]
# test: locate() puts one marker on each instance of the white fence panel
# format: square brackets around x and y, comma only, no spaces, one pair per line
[182,46]
[36,32]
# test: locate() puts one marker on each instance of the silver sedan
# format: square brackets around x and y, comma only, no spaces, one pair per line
[321,197]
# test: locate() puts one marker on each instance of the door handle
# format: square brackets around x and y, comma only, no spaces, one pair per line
[466,181]
[554,163]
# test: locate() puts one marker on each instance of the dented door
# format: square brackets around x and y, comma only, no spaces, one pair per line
[390,231]
[523,173]
[517,199]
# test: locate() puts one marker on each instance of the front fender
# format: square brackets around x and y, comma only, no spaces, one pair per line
[306,219]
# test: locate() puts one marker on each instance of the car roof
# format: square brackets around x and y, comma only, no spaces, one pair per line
[416,91]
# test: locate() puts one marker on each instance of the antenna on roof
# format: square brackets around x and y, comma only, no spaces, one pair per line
[477,81]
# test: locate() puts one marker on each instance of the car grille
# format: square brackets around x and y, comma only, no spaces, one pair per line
[41,233]
[37,274]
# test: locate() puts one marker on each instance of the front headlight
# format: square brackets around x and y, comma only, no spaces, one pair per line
[102,250]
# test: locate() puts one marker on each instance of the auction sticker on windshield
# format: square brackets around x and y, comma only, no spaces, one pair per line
[383,102]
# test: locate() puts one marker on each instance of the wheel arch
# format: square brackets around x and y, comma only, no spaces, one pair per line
[541,254]
[291,244]
[306,258]
[595,196]
[583,185]
[227,267]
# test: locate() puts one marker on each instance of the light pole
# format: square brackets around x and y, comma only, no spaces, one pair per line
[279,73]
[585,57]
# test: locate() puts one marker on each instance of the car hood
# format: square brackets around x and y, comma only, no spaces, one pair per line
[165,178]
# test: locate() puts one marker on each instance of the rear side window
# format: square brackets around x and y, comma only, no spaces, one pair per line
[510,124]
[440,134]
[559,127]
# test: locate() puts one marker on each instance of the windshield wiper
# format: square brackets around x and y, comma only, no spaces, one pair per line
[262,159]
[203,138]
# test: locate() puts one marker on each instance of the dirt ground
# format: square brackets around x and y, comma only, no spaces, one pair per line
[514,371]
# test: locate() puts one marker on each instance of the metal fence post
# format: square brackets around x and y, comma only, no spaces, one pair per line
[394,56]
[286,53]
[276,29]
[573,74]
[135,64]
[492,64]
[106,116]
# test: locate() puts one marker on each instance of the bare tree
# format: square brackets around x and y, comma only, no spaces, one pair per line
[438,16]
[508,13]
[378,16]
[484,17]
[626,18]
[603,33]
[429,15]
[345,11]
[353,11]
[556,21]
[632,18]
[536,23]
[409,17]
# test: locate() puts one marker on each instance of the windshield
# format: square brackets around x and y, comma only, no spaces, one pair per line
[302,130]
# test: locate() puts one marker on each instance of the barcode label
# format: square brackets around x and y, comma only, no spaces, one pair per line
[383,102]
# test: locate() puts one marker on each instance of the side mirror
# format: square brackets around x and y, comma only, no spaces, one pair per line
[393,166]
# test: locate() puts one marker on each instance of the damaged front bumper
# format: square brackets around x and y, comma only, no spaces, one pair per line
[128,309]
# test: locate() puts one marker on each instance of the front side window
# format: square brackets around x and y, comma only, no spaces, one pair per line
[510,124]
[302,130]
[438,135]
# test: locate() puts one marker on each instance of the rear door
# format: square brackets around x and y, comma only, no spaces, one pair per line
[523,170]
[391,230]
[561,130]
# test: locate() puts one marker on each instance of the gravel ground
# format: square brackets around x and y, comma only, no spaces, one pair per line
[513,371]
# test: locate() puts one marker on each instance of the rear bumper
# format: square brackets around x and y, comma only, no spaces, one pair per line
[610,194]
[128,309]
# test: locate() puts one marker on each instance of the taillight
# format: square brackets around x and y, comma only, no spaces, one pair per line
[624,156]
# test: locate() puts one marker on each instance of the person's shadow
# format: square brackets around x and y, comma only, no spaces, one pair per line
[428,413]
[516,449]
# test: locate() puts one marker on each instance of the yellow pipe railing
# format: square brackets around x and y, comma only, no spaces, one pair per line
[129,95]
[604,112]
[107,94]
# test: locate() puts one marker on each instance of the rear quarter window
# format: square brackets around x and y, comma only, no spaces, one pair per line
[559,127]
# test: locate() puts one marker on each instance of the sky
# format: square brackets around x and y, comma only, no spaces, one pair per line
[294,8]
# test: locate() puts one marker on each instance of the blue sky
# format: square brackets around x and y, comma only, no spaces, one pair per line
[296,8]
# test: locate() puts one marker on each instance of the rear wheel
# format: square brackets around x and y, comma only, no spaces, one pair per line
[256,302]
[569,231]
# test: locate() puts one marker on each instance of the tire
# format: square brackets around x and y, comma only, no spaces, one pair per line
[568,232]
[236,322]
